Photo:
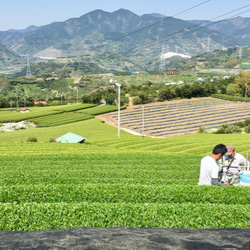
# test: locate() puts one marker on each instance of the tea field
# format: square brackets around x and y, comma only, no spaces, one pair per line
[129,181]
[179,117]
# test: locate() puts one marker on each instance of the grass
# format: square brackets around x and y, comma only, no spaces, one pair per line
[245,65]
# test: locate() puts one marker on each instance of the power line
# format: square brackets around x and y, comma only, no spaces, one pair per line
[153,24]
[197,25]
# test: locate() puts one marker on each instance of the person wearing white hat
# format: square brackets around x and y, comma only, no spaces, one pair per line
[235,158]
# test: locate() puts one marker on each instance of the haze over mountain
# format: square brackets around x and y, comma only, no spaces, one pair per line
[139,38]
[238,28]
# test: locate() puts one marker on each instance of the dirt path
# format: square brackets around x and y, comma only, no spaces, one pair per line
[128,238]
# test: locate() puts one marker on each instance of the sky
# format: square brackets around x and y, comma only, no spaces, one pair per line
[19,14]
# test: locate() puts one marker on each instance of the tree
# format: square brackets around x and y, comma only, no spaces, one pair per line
[186,91]
[165,94]
[209,88]
[4,85]
[233,89]
[178,91]
[197,90]
[243,81]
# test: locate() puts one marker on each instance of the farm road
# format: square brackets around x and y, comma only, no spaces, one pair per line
[127,238]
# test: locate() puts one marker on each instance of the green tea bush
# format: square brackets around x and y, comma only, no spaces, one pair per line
[57,186]
[131,181]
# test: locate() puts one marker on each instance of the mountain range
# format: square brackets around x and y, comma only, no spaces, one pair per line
[141,39]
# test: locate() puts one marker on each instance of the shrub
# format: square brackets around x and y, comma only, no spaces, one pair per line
[247,122]
[32,139]
[247,129]
[136,101]
[201,130]
[234,129]
[240,124]
[222,129]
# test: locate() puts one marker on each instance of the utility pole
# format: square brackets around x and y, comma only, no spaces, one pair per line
[17,106]
[119,101]
[246,92]
[142,123]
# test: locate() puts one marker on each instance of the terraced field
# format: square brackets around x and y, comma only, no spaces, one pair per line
[130,181]
[180,117]
[53,185]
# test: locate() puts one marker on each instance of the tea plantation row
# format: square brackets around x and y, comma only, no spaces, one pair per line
[130,181]
[82,187]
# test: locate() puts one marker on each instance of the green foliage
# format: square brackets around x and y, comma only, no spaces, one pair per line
[130,181]
[165,94]
[222,129]
[137,101]
[32,139]
[240,124]
[36,112]
[96,87]
[233,62]
[56,186]
[247,122]
[234,129]
[247,129]
[60,119]
[71,117]
[231,98]
[233,90]
[201,130]
[122,73]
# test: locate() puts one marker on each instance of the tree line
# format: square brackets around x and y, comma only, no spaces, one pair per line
[147,92]
[92,89]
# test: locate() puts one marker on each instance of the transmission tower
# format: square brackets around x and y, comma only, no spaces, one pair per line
[240,53]
[208,45]
[28,74]
[162,63]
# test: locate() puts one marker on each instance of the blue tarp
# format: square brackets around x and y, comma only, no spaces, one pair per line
[245,178]
[70,138]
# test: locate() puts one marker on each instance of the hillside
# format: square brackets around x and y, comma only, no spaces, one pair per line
[139,38]
[237,27]
[8,57]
